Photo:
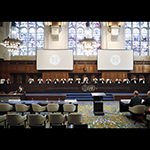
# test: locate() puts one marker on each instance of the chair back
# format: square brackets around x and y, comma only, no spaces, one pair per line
[36,119]
[52,107]
[38,108]
[74,118]
[21,107]
[15,119]
[69,107]
[139,109]
[5,107]
[56,118]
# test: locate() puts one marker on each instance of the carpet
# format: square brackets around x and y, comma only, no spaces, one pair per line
[111,119]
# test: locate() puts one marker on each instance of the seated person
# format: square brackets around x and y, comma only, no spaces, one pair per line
[78,80]
[48,81]
[126,81]
[101,80]
[20,90]
[40,81]
[118,81]
[143,81]
[136,100]
[134,80]
[7,81]
[86,80]
[30,81]
[70,80]
[95,81]
[147,100]
[110,81]
[63,81]
[56,81]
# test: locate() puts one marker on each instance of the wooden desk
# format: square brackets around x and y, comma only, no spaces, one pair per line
[6,97]
[124,105]
[119,97]
[77,88]
[46,97]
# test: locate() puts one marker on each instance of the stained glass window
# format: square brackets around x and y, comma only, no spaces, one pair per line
[32,36]
[76,32]
[137,37]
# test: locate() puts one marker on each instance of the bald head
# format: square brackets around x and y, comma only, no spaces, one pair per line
[136,93]
[148,93]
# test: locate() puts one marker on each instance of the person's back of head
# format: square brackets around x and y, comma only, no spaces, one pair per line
[148,93]
[136,93]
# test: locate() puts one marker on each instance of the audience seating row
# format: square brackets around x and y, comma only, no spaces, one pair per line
[4,107]
[36,120]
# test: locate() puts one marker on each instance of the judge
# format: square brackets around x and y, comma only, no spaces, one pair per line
[127,81]
[86,80]
[7,81]
[110,81]
[143,81]
[56,81]
[30,81]
[78,80]
[95,81]
[118,81]
[48,81]
[101,80]
[40,81]
[70,80]
[134,80]
[63,81]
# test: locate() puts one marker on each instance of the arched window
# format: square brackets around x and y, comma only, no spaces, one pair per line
[32,36]
[76,31]
[137,37]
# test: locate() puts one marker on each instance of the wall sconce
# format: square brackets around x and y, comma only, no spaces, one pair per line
[55,29]
[114,28]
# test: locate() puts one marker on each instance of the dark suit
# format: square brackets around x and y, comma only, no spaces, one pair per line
[109,82]
[55,81]
[30,82]
[78,81]
[40,82]
[118,81]
[101,81]
[135,101]
[126,82]
[71,81]
[147,102]
[48,81]
[21,92]
[132,81]
[62,81]
[142,81]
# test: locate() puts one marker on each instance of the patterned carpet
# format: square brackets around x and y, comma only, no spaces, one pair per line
[111,119]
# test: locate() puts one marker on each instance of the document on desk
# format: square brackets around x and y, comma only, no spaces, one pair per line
[128,100]
[71,100]
[14,100]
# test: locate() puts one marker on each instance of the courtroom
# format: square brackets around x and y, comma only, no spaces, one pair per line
[69,75]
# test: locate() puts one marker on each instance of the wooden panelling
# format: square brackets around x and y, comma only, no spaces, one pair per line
[83,67]
[146,68]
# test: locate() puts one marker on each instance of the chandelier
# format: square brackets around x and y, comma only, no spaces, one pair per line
[88,43]
[12,43]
